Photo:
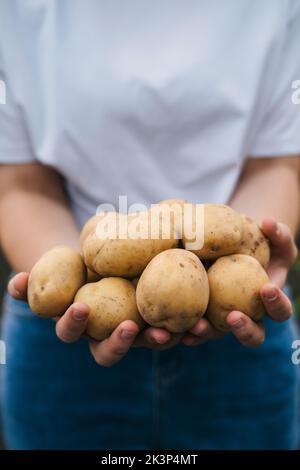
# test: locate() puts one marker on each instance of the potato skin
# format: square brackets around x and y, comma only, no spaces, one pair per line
[111,301]
[135,281]
[54,281]
[124,257]
[254,242]
[171,202]
[235,282]
[173,291]
[92,277]
[176,207]
[222,232]
[89,227]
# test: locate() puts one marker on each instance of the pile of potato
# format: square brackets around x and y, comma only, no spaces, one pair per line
[162,281]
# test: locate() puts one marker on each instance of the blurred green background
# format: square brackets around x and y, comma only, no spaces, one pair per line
[294,282]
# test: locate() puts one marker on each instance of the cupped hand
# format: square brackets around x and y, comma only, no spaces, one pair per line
[71,326]
[277,304]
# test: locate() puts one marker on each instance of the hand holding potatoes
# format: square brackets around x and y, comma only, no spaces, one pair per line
[111,301]
[277,305]
[156,301]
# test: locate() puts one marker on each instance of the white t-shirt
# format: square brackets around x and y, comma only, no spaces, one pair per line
[149,99]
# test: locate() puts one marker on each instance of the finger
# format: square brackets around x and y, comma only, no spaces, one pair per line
[17,286]
[175,339]
[248,332]
[192,340]
[280,236]
[159,341]
[205,330]
[113,349]
[202,332]
[277,273]
[150,337]
[72,324]
[277,304]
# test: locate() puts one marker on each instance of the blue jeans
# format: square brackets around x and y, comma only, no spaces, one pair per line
[216,396]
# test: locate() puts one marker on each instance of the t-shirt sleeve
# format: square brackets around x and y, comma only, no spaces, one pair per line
[277,129]
[14,139]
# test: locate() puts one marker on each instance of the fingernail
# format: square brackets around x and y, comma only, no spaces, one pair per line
[79,315]
[270,295]
[17,292]
[126,334]
[158,341]
[153,340]
[202,335]
[239,324]
[197,331]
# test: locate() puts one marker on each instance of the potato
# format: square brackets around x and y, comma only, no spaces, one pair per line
[54,281]
[92,277]
[171,202]
[111,301]
[254,243]
[222,231]
[89,227]
[176,208]
[173,291]
[135,281]
[235,282]
[127,256]
[164,222]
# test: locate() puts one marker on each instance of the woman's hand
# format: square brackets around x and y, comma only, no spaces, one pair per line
[277,304]
[72,325]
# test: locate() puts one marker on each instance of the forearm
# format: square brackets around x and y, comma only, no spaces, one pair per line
[34,214]
[269,187]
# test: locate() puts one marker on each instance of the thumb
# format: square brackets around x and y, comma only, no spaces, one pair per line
[281,239]
[277,274]
[17,286]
